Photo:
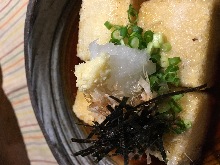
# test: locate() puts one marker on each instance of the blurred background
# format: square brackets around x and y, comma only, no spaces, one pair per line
[21,140]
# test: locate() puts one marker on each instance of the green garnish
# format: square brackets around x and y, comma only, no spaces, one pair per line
[132,15]
[148,36]
[130,35]
[180,126]
[134,42]
[174,61]
[166,47]
[137,29]
[108,25]
[158,40]
[123,32]
[116,35]
[177,97]
[167,75]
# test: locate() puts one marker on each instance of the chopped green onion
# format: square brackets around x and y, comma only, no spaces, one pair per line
[161,38]
[115,41]
[176,82]
[174,60]
[158,40]
[116,35]
[173,80]
[125,40]
[153,81]
[122,42]
[164,63]
[123,32]
[175,106]
[171,68]
[135,34]
[188,124]
[117,27]
[134,42]
[150,48]
[177,97]
[163,88]
[156,51]
[181,126]
[132,15]
[137,29]
[155,58]
[130,30]
[108,25]
[166,47]
[156,44]
[170,77]
[148,36]
[164,107]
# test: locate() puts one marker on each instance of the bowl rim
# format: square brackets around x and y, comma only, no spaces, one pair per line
[62,152]
[31,16]
[29,21]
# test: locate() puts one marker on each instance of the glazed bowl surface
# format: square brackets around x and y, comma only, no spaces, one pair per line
[51,34]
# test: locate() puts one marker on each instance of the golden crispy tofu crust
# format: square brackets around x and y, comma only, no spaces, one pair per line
[192,30]
[80,108]
[93,15]
[180,149]
[184,148]
[192,27]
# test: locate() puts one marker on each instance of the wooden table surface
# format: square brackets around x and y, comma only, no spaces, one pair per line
[12,148]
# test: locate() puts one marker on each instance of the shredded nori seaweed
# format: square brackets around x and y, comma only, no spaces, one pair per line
[132,129]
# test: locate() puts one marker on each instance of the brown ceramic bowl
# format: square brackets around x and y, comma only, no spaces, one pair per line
[51,32]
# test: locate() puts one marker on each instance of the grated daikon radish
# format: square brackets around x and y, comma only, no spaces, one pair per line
[126,65]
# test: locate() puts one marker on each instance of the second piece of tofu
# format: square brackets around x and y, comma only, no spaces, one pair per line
[185,148]
[93,15]
[180,149]
[192,27]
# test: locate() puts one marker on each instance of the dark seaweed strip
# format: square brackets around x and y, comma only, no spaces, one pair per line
[86,151]
[159,145]
[115,98]
[114,115]
[164,96]
[103,150]
[131,129]
[102,153]
[83,140]
[85,125]
[95,127]
[109,107]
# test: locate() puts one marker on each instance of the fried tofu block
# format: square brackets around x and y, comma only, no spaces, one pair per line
[88,74]
[184,148]
[93,15]
[180,149]
[80,108]
[193,29]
